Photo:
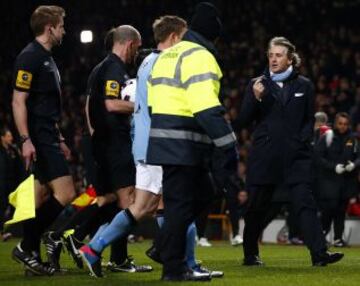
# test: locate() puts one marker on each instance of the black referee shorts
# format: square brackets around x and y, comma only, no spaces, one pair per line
[50,160]
[50,163]
[115,166]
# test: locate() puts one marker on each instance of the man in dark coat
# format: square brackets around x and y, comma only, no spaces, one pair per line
[280,102]
[337,160]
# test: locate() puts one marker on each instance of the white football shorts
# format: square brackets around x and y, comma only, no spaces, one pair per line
[149,178]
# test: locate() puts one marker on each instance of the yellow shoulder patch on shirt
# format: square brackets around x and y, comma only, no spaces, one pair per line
[112,88]
[23,79]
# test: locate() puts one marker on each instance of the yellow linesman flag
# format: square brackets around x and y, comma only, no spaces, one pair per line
[85,199]
[23,200]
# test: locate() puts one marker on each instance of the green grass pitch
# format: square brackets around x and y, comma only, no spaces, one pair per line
[285,265]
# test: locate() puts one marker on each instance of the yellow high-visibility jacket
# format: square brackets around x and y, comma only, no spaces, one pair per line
[186,115]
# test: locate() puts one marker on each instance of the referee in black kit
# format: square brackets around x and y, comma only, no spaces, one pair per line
[109,117]
[36,107]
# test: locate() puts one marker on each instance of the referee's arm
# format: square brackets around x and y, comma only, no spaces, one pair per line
[26,67]
[20,117]
[113,82]
[119,106]
[20,111]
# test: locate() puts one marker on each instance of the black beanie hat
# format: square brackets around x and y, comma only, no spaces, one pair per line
[206,21]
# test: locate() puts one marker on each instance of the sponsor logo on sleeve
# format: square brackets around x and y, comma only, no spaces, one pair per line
[23,79]
[112,88]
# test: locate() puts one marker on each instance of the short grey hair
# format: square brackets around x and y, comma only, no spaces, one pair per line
[126,33]
[321,117]
[121,34]
[291,49]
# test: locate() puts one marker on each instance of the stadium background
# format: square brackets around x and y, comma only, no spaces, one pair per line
[326,33]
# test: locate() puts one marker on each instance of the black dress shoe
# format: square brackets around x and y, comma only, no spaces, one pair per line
[187,276]
[154,254]
[327,258]
[253,260]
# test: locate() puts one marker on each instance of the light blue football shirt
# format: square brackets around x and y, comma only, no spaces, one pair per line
[142,120]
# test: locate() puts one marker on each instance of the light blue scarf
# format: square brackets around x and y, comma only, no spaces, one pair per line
[279,77]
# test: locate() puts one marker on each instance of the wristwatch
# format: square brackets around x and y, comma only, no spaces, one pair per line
[23,139]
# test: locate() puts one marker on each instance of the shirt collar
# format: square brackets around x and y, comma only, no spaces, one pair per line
[115,58]
[40,46]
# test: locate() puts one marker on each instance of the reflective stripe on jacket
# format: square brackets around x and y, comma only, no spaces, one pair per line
[186,115]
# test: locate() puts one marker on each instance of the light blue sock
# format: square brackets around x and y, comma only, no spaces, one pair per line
[99,231]
[160,220]
[190,245]
[119,226]
[190,242]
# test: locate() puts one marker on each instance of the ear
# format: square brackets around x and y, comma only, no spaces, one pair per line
[130,44]
[174,37]
[49,28]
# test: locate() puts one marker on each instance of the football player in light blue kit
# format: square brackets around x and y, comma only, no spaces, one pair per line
[168,30]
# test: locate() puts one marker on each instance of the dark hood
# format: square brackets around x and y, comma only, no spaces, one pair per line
[197,38]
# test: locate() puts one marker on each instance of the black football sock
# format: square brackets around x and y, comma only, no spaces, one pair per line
[48,212]
[30,241]
[119,251]
[76,220]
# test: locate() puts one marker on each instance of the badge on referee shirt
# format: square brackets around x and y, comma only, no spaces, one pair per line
[112,88]
[23,79]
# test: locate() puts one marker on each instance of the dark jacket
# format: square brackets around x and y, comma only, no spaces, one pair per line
[281,151]
[330,185]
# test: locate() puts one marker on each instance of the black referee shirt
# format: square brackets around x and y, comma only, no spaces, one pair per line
[36,72]
[105,82]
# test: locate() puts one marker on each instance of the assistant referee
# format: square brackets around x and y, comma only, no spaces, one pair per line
[36,106]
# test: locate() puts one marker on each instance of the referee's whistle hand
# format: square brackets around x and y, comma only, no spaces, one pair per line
[28,153]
